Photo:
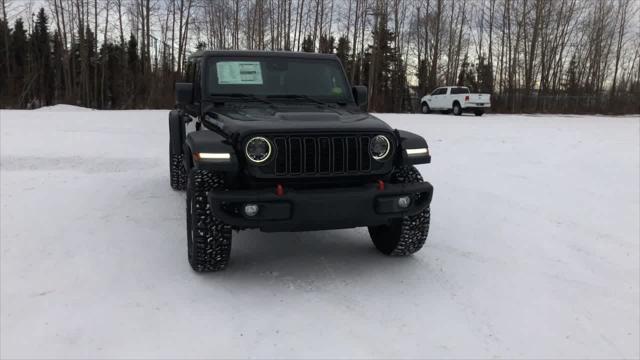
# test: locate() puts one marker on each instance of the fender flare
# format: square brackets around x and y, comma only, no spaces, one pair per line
[176,131]
[411,141]
[206,141]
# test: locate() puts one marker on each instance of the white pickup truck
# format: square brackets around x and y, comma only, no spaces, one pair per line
[456,99]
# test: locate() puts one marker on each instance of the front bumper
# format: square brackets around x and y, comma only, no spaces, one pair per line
[334,208]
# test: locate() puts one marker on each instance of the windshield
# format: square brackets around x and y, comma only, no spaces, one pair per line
[291,78]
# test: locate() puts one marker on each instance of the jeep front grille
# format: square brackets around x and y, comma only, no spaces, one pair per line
[320,155]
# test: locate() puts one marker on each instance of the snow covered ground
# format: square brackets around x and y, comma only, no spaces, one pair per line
[534,250]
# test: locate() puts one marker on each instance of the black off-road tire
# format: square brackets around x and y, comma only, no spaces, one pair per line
[208,238]
[407,235]
[425,108]
[177,172]
[457,109]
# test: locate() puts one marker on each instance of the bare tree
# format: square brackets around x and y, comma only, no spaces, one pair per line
[436,47]
[6,38]
[621,15]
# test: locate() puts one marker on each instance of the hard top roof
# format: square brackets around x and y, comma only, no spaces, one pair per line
[257,53]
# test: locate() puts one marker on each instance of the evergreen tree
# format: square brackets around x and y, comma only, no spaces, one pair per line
[75,70]
[58,67]
[4,63]
[383,57]
[113,78]
[18,48]
[132,54]
[41,50]
[308,45]
[572,84]
[485,76]
[327,44]
[342,51]
[92,63]
[104,79]
[467,75]
[134,64]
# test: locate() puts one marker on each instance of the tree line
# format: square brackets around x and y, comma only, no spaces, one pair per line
[531,55]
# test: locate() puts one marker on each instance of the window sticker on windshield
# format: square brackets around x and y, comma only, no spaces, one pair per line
[239,73]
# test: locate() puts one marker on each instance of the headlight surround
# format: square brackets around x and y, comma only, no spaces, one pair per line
[258,149]
[379,147]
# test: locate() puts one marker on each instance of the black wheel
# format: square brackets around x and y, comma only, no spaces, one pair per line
[407,235]
[457,109]
[425,108]
[479,113]
[177,173]
[208,238]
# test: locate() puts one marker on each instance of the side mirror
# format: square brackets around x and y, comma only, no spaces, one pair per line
[184,94]
[360,94]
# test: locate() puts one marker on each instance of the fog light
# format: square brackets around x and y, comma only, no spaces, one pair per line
[404,202]
[251,209]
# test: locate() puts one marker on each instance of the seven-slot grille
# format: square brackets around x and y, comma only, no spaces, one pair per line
[323,155]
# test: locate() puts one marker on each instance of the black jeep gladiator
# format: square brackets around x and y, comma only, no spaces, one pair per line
[279,141]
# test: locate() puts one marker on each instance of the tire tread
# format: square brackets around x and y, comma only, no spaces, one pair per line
[209,244]
[409,234]
[177,172]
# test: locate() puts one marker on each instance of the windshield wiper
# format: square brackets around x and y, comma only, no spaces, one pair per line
[297,96]
[249,97]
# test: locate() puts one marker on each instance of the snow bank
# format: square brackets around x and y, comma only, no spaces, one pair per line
[533,252]
[63,108]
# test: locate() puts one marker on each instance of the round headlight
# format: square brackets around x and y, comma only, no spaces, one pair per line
[379,147]
[258,149]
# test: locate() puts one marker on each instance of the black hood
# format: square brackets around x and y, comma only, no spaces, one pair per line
[294,119]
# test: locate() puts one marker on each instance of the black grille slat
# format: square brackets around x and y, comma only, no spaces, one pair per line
[281,157]
[365,158]
[352,154]
[338,155]
[326,155]
[295,155]
[310,155]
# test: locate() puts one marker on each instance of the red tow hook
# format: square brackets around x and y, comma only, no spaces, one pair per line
[380,185]
[279,190]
